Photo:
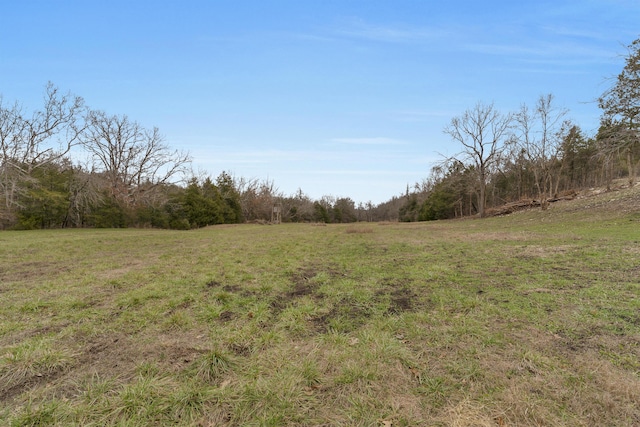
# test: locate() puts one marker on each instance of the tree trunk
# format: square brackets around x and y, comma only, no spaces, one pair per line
[482,199]
[632,175]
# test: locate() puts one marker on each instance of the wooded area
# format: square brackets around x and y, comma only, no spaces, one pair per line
[66,165]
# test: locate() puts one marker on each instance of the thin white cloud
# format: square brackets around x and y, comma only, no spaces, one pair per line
[357,172]
[573,32]
[358,28]
[543,52]
[420,115]
[312,37]
[219,156]
[368,141]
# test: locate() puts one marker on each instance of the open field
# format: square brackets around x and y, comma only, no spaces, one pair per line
[529,319]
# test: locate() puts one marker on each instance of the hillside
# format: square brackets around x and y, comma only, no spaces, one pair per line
[619,199]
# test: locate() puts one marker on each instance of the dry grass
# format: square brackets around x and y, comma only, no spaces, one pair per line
[359,229]
[529,319]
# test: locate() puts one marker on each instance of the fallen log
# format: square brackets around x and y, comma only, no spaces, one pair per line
[524,204]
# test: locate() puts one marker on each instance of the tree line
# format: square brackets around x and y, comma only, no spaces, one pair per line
[67,165]
[533,154]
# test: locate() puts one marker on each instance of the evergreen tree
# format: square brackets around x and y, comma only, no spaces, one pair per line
[621,111]
[232,211]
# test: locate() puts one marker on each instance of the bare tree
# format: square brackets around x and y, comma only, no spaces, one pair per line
[10,135]
[51,132]
[297,207]
[29,142]
[483,132]
[135,161]
[257,198]
[84,192]
[540,133]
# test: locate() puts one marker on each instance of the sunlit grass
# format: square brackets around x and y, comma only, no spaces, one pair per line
[522,320]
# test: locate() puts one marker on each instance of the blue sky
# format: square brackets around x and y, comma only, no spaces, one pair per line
[344,98]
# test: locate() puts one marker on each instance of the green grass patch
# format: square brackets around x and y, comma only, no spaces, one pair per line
[529,319]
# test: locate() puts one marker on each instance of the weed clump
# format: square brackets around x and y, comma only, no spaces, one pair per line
[212,366]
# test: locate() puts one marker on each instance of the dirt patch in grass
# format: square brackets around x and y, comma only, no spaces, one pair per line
[402,299]
[227,316]
[213,284]
[101,354]
[321,322]
[112,355]
[303,278]
[301,289]
[240,349]
[401,294]
[348,314]
[537,251]
[106,353]
[304,283]
[232,288]
[17,337]
[124,267]
[32,270]
[11,389]
[344,317]
[229,288]
[277,305]
[177,350]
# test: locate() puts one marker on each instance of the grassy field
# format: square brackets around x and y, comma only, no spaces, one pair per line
[529,319]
